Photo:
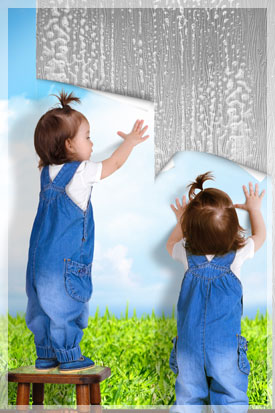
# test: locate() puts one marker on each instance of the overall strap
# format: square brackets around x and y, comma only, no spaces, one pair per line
[224,260]
[221,260]
[62,178]
[195,260]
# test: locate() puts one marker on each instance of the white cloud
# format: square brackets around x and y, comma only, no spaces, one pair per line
[113,263]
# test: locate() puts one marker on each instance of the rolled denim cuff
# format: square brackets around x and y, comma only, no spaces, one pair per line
[68,355]
[45,352]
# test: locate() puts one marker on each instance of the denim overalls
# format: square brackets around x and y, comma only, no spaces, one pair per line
[209,354]
[58,279]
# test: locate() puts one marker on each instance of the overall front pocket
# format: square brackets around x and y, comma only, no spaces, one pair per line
[243,362]
[173,357]
[78,280]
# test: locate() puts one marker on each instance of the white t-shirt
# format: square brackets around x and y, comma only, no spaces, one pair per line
[79,187]
[247,251]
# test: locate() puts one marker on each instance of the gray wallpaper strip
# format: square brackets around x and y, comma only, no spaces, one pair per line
[205,69]
[105,49]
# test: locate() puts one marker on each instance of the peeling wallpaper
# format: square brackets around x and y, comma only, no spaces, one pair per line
[205,69]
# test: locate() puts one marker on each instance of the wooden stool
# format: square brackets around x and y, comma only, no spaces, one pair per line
[86,381]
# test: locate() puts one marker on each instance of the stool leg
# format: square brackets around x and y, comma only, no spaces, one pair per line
[23,394]
[37,393]
[95,397]
[82,394]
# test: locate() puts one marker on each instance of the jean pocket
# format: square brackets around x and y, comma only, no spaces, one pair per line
[243,362]
[78,280]
[173,356]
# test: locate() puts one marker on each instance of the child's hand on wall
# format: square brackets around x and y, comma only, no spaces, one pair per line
[253,199]
[252,205]
[136,135]
[176,234]
[119,157]
[178,209]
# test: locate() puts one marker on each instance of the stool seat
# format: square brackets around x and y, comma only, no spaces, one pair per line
[86,381]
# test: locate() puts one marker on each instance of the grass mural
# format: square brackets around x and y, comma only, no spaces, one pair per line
[137,351]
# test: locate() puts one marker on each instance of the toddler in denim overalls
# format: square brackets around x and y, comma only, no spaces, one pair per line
[58,279]
[209,353]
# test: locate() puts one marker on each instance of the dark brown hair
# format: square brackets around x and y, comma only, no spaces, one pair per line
[209,222]
[53,128]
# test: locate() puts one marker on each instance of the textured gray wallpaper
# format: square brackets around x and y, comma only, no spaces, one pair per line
[107,49]
[205,69]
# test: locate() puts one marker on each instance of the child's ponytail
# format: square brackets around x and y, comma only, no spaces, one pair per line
[54,127]
[65,98]
[198,183]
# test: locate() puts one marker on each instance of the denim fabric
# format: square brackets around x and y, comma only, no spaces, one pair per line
[173,357]
[211,353]
[58,277]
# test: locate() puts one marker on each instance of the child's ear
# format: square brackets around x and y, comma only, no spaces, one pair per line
[68,145]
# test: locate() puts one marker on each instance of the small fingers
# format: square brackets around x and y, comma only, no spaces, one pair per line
[239,206]
[143,129]
[178,203]
[173,208]
[251,191]
[144,138]
[245,190]
[140,125]
[262,194]
[257,189]
[136,125]
[122,134]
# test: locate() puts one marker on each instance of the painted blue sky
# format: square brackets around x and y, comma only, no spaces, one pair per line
[132,213]
[22,59]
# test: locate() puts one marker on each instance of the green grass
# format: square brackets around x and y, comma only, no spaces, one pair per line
[137,350]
